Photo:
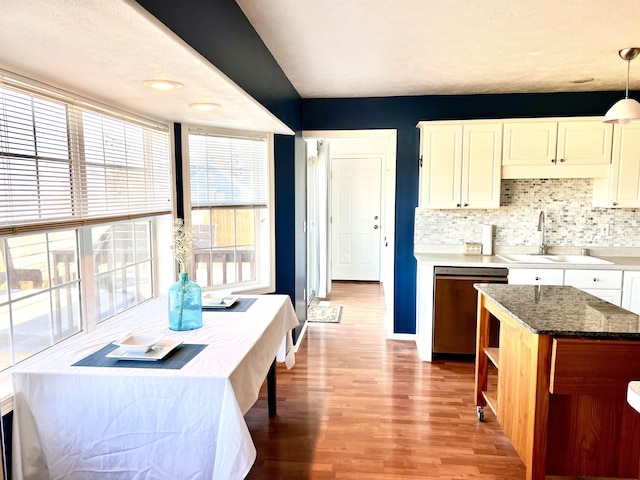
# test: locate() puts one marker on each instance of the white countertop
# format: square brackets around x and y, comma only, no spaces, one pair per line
[461,260]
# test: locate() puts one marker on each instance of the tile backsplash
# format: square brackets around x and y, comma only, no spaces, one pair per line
[571,220]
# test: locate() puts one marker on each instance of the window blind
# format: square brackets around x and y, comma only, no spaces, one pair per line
[62,162]
[226,170]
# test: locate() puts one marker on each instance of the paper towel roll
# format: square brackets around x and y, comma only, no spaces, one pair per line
[487,239]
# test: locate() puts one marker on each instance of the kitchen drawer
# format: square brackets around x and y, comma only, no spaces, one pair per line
[585,279]
[536,276]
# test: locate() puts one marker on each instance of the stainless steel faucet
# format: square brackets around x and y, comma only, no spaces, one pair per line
[542,248]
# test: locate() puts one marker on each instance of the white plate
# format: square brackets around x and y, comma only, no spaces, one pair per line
[218,302]
[158,352]
[138,343]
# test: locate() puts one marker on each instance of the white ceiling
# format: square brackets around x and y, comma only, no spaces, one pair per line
[105,49]
[360,48]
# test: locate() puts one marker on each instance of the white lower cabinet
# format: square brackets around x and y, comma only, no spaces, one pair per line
[604,284]
[536,276]
[631,291]
[611,296]
[424,311]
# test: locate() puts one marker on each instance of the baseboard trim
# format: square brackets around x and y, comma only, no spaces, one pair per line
[406,337]
[300,337]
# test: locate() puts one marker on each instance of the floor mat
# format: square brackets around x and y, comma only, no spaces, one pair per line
[324,314]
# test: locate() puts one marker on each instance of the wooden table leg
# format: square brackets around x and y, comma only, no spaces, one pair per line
[271,389]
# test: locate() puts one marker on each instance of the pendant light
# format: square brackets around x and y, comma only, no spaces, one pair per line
[625,110]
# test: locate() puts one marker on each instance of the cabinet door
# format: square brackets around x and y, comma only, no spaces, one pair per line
[625,169]
[584,143]
[529,143]
[631,291]
[441,171]
[611,296]
[481,165]
[536,276]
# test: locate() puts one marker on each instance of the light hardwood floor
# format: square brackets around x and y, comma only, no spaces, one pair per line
[359,407]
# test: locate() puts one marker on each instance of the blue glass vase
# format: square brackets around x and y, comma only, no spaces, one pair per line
[185,304]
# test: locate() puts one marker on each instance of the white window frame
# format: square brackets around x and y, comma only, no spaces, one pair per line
[162,274]
[265,255]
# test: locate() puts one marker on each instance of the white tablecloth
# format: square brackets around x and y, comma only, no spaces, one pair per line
[137,423]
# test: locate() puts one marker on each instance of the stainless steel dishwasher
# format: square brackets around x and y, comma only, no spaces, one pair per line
[455,307]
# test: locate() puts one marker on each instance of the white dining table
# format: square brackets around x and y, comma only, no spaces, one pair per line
[96,422]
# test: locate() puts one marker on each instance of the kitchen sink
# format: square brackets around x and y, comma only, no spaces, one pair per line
[554,259]
[526,258]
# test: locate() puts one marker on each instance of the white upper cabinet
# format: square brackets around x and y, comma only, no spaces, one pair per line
[622,188]
[556,148]
[461,164]
[529,143]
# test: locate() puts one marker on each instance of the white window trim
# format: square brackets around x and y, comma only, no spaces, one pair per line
[267,282]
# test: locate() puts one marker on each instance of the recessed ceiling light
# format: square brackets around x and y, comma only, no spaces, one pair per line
[583,80]
[162,84]
[204,107]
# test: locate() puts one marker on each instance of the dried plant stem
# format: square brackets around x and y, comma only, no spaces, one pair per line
[183,252]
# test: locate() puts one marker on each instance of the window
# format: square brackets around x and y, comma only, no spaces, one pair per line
[231,216]
[81,187]
[39,293]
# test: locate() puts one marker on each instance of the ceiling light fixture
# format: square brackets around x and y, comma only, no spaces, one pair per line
[162,84]
[204,107]
[625,110]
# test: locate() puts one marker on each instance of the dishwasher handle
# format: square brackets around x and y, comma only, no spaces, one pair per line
[474,278]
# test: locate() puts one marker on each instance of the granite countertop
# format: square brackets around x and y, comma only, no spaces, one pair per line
[562,311]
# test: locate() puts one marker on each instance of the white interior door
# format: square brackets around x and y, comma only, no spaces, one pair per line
[355,218]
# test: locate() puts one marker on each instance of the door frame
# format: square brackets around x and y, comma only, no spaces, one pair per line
[388,196]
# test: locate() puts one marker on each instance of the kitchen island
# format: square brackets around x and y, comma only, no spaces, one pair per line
[557,379]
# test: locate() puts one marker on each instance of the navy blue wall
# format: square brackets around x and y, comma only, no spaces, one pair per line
[403,113]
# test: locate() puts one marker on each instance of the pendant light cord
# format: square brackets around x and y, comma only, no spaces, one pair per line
[626,95]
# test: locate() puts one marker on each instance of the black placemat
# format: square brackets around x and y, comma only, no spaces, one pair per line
[176,359]
[241,305]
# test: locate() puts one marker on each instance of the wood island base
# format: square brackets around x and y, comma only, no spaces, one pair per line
[560,400]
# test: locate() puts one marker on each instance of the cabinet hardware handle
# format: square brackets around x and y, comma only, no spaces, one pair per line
[595,279]
[553,160]
[376,217]
[375,227]
[466,204]
[615,203]
[537,278]
[458,205]
[562,160]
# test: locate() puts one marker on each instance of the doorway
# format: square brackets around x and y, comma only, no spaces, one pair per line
[353,152]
